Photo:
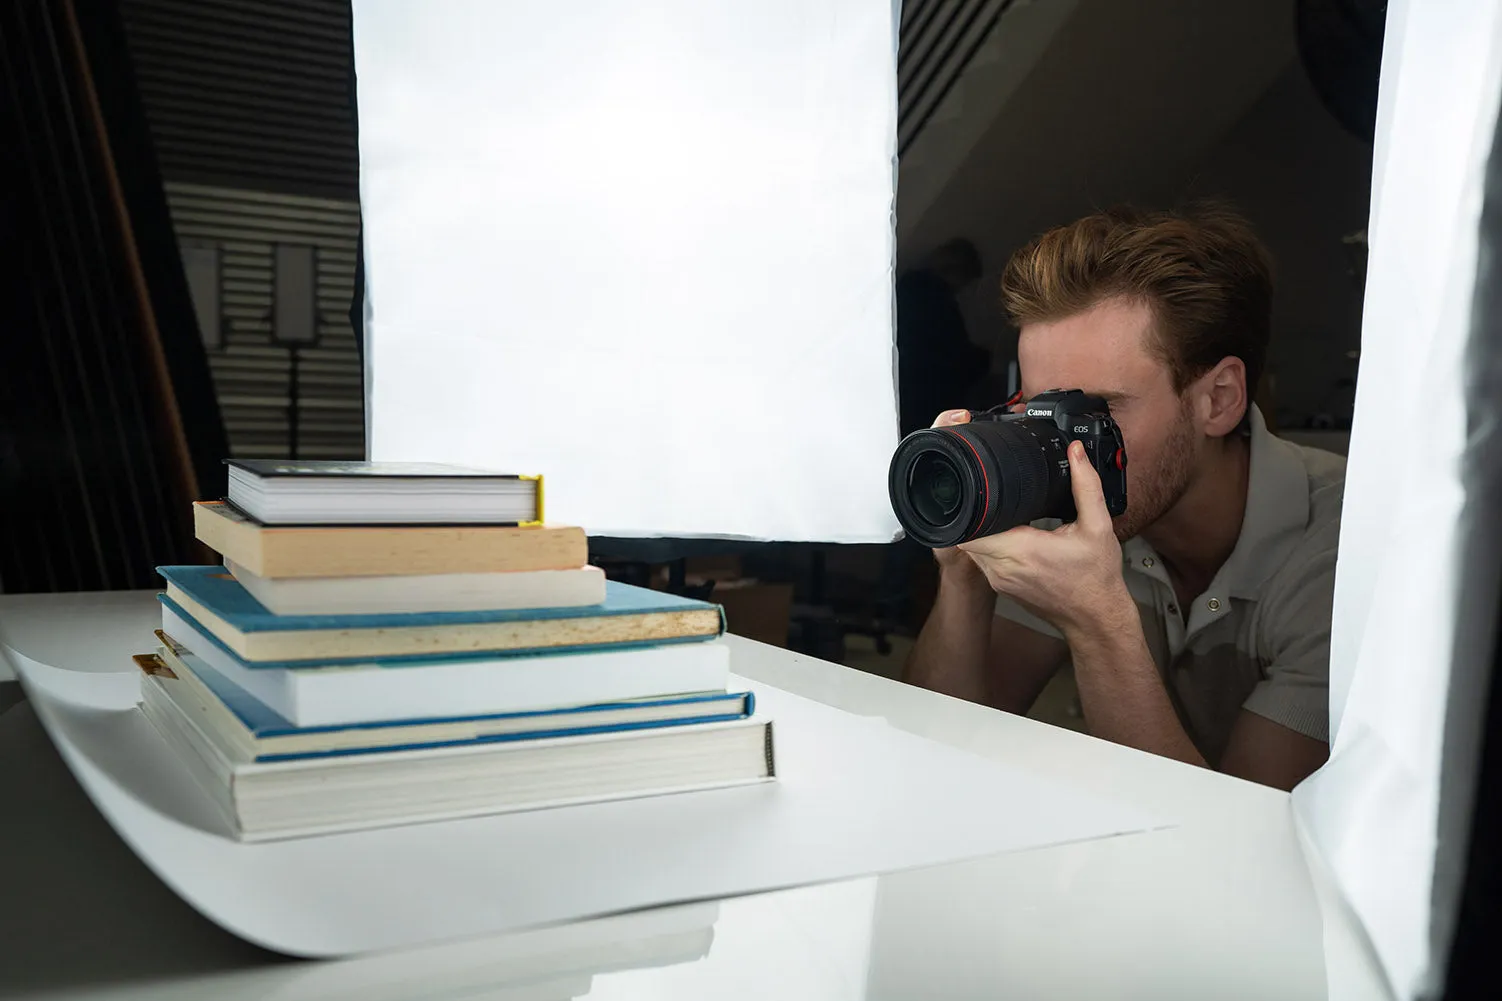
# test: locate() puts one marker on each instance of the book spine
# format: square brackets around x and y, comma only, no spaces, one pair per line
[541,512]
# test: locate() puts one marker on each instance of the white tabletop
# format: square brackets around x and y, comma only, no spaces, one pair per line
[1224,905]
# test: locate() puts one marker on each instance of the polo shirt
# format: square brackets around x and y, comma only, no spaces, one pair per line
[1258,638]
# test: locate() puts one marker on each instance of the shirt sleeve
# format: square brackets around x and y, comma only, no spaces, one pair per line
[1295,633]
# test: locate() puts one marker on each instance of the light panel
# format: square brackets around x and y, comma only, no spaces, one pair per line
[642,248]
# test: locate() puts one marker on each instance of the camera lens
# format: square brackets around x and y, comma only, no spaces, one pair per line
[953,484]
[934,486]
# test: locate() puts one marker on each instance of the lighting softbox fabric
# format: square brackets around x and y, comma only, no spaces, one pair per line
[1417,580]
[644,249]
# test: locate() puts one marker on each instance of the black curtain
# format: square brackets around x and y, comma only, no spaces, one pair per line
[109,427]
[357,300]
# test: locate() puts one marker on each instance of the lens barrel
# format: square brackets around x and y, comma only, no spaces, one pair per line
[952,484]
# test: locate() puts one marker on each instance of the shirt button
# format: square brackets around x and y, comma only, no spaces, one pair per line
[1213,604]
[1147,561]
[1173,609]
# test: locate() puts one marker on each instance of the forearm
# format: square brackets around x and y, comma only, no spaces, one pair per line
[950,654]
[1121,690]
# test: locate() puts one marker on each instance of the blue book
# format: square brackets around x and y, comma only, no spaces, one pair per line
[246,729]
[629,616]
[457,686]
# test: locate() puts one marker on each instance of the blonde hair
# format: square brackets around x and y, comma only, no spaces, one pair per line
[1203,272]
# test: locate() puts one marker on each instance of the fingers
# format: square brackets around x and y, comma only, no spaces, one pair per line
[951,417]
[1091,512]
[950,557]
[1010,546]
[1001,557]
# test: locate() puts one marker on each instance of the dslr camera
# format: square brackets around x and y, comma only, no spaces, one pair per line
[952,484]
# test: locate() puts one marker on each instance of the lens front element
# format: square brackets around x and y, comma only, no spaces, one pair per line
[952,484]
[934,487]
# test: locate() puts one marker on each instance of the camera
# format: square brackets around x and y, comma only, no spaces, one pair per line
[952,484]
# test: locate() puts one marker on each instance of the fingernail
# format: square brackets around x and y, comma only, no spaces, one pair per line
[955,415]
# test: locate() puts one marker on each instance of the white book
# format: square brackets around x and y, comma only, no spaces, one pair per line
[263,801]
[447,592]
[376,691]
[324,492]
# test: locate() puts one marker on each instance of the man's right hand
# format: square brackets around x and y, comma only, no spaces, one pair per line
[954,560]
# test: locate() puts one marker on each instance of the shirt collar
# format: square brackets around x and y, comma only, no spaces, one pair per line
[1277,513]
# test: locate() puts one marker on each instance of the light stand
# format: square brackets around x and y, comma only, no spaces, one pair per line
[294,321]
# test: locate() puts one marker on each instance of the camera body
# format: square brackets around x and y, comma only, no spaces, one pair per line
[1086,419]
[1002,469]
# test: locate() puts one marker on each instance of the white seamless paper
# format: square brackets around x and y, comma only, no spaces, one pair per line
[853,797]
[644,249]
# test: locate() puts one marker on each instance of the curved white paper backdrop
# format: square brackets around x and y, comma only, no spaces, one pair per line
[1375,809]
[642,248]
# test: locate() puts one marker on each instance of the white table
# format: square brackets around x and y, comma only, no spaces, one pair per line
[1225,905]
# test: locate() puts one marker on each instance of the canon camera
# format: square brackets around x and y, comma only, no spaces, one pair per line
[1002,469]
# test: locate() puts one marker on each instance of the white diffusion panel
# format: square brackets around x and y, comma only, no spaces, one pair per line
[1404,701]
[643,248]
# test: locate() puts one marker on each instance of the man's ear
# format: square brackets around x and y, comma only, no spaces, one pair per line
[1222,398]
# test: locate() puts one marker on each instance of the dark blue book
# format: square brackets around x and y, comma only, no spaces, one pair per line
[246,729]
[629,616]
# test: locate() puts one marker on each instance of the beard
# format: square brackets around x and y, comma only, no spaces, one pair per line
[1163,484]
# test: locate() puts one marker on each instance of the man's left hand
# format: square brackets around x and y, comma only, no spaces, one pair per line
[1072,576]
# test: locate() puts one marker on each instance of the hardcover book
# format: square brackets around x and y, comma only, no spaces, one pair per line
[456,685]
[398,594]
[246,729]
[281,492]
[385,550]
[628,616]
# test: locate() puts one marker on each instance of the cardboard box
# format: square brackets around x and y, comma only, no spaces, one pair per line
[756,610]
[727,567]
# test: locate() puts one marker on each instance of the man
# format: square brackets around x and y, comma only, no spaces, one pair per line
[1198,622]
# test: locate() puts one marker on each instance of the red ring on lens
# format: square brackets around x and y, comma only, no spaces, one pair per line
[984,477]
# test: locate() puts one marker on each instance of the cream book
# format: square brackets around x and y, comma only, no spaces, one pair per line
[321,795]
[385,550]
[449,592]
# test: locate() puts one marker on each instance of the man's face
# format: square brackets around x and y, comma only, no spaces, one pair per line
[1104,351]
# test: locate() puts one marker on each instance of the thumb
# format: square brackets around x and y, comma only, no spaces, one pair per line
[1090,508]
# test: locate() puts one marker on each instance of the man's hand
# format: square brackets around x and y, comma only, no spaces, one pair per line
[1071,577]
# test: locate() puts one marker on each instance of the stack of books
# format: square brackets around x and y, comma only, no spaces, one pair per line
[390,644]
